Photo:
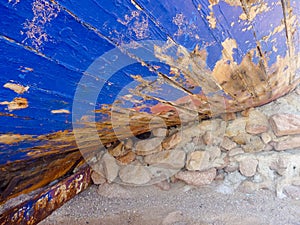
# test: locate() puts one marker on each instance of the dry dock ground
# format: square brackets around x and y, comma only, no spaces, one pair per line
[181,205]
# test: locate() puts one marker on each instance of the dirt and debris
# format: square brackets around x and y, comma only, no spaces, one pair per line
[182,204]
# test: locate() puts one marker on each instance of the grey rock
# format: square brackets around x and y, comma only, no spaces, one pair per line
[135,174]
[171,159]
[197,178]
[148,146]
[110,167]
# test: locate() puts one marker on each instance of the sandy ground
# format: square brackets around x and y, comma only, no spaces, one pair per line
[182,205]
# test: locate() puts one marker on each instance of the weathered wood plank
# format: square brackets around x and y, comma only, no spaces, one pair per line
[215,57]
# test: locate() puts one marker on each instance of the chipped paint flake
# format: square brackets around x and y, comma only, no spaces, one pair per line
[44,12]
[184,26]
[137,24]
[25,69]
[16,103]
[233,2]
[212,20]
[14,1]
[60,111]
[13,138]
[228,46]
[211,17]
[136,5]
[19,89]
[254,10]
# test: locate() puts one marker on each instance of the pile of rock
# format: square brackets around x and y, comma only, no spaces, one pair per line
[248,150]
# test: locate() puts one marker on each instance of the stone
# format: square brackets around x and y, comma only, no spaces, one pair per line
[189,147]
[209,125]
[213,151]
[212,138]
[228,116]
[160,132]
[268,147]
[242,138]
[290,143]
[297,91]
[170,159]
[292,191]
[110,167]
[236,127]
[255,144]
[266,137]
[214,132]
[135,174]
[148,146]
[198,160]
[173,218]
[257,122]
[231,167]
[118,151]
[246,112]
[258,178]
[159,173]
[97,178]
[248,167]
[98,167]
[127,159]
[248,187]
[235,151]
[108,145]
[228,144]
[285,124]
[163,185]
[192,130]
[296,182]
[207,138]
[279,165]
[128,144]
[198,141]
[197,178]
[212,125]
[220,175]
[234,179]
[187,137]
[220,162]
[172,141]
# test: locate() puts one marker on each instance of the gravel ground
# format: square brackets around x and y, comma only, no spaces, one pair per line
[181,204]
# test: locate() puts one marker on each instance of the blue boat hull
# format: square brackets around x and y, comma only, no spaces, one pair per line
[72,68]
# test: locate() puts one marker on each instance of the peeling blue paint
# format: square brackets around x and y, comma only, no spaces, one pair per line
[81,31]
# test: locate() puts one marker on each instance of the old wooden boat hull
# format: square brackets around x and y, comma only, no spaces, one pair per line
[76,75]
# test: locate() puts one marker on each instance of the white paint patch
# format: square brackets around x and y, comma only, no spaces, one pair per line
[60,111]
[136,5]
[19,89]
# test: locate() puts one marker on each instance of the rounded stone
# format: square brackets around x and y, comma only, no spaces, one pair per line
[248,167]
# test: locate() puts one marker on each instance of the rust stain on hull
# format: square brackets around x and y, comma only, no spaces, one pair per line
[45,202]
